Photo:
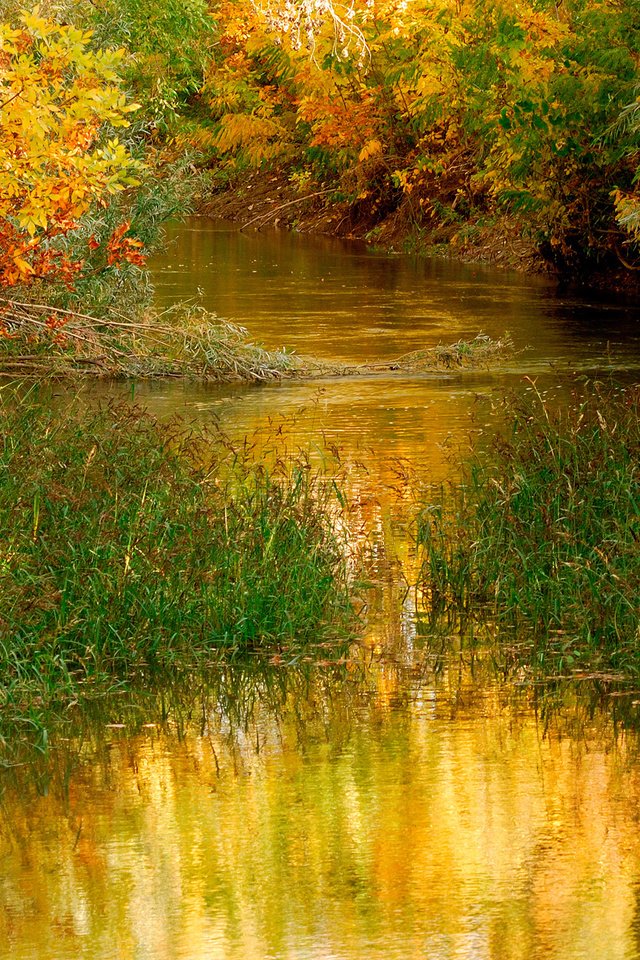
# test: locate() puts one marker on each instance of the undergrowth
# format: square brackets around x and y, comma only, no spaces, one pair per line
[542,537]
[130,546]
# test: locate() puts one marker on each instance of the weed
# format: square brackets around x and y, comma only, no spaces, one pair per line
[186,341]
[129,546]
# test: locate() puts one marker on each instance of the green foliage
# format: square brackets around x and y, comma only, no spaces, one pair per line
[544,533]
[165,192]
[168,43]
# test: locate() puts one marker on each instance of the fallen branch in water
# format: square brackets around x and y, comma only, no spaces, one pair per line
[271,213]
[189,342]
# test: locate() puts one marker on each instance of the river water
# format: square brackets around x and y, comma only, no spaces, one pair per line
[403,805]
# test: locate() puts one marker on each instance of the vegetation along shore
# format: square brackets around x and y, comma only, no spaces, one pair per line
[132,547]
[540,537]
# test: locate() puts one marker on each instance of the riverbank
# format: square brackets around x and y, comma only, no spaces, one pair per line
[257,200]
[277,199]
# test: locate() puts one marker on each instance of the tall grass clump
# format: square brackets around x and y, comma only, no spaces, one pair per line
[543,533]
[127,544]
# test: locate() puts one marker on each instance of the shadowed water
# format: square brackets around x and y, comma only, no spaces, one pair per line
[341,300]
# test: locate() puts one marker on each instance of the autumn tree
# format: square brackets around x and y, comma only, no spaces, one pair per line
[61,105]
[456,115]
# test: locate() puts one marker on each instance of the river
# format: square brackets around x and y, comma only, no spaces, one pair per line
[405,805]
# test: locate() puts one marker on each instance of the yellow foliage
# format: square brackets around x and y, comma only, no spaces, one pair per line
[55,96]
[511,107]
[541,29]
[259,138]
[371,149]
[628,212]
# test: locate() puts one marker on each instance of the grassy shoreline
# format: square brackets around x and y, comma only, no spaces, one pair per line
[181,342]
[134,550]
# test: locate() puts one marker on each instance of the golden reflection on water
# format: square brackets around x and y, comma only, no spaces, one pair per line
[343,300]
[437,821]
[380,423]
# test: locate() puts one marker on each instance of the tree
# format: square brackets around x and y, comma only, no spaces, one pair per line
[60,107]
[462,117]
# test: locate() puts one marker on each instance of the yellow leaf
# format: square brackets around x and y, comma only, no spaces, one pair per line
[25,268]
[371,149]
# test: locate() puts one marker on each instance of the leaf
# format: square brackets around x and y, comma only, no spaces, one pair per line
[56,94]
[25,268]
[371,149]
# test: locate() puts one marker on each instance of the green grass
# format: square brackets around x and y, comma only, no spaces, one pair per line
[129,545]
[542,537]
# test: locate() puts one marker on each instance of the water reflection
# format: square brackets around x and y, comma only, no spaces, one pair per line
[395,805]
[340,299]
[441,816]
[375,422]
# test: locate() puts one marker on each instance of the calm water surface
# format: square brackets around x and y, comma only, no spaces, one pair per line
[341,300]
[403,808]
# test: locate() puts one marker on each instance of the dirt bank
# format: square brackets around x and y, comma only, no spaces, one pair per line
[273,199]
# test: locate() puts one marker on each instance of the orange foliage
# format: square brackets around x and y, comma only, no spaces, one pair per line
[55,96]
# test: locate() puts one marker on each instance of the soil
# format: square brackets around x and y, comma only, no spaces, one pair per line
[272,200]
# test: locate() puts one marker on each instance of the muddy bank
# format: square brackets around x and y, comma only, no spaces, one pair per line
[271,199]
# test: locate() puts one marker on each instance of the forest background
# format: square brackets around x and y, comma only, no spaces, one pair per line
[476,125]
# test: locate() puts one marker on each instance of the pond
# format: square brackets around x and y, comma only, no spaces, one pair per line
[403,804]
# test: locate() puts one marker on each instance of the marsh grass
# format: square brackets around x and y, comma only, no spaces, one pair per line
[542,537]
[481,352]
[233,693]
[130,546]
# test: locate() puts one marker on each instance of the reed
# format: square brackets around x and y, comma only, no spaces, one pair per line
[128,546]
[543,533]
